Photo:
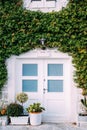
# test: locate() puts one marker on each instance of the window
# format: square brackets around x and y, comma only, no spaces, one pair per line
[29,70]
[55,69]
[29,75]
[55,80]
[29,85]
[55,85]
[42,3]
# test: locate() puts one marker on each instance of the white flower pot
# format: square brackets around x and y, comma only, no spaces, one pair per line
[19,120]
[3,120]
[82,118]
[35,118]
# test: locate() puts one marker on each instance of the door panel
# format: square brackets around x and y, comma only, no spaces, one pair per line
[54,94]
[45,81]
[28,80]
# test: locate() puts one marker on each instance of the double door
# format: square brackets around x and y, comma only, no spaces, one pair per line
[46,81]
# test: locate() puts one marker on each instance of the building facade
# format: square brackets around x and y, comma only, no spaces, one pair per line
[45,75]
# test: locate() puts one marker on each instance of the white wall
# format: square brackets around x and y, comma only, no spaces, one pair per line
[11,78]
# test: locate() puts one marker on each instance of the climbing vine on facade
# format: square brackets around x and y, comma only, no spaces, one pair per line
[21,29]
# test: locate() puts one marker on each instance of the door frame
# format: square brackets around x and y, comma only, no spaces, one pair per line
[41,54]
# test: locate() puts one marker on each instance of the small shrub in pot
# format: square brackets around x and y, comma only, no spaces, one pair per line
[14,109]
[22,97]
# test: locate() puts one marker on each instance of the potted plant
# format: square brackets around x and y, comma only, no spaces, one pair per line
[84,101]
[22,97]
[35,111]
[15,112]
[83,113]
[3,112]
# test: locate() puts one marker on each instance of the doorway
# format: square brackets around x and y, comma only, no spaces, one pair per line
[46,81]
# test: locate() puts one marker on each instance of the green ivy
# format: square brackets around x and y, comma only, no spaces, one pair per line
[21,29]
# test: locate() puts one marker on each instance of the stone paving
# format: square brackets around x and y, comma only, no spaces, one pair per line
[45,126]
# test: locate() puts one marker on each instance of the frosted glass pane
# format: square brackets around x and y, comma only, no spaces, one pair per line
[29,85]
[29,70]
[55,69]
[55,85]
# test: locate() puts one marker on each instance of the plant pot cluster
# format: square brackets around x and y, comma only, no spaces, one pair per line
[15,112]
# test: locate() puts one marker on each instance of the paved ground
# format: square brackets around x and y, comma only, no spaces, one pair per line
[45,126]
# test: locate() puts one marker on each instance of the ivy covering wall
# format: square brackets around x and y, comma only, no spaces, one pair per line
[21,29]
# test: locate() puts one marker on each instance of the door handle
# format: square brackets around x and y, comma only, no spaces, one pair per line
[44,90]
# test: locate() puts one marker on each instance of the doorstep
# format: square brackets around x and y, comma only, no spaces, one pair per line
[44,126]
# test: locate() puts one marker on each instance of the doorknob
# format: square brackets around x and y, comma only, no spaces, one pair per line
[44,90]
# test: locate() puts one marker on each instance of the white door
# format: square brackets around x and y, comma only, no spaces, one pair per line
[46,81]
[29,79]
[56,90]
